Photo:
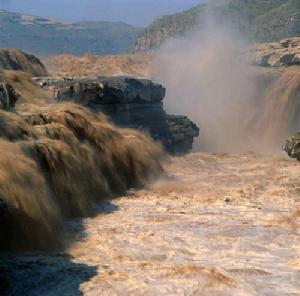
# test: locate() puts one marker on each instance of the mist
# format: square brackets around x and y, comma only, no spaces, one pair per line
[208,77]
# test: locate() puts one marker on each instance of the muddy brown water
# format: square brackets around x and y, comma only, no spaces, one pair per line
[222,225]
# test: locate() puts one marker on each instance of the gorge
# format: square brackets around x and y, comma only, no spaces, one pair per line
[104,191]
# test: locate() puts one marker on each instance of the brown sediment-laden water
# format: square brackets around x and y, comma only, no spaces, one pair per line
[57,162]
[221,224]
[213,224]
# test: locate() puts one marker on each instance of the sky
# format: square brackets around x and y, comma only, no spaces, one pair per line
[135,12]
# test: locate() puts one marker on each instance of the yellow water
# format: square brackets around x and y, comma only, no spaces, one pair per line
[225,225]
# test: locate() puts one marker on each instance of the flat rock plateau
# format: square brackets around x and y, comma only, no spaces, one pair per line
[221,224]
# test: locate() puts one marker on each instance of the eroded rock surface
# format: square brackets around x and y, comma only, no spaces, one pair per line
[292,146]
[283,53]
[134,103]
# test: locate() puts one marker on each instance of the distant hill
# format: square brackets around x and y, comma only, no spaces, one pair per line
[262,20]
[44,37]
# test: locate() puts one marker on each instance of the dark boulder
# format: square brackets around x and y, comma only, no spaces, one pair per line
[292,146]
[129,102]
[183,132]
[120,90]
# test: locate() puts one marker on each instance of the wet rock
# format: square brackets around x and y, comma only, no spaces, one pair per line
[292,146]
[129,102]
[283,53]
[183,132]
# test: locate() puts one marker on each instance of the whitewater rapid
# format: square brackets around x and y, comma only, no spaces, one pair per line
[221,224]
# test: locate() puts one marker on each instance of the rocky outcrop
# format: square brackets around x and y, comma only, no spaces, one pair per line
[283,53]
[16,60]
[292,146]
[110,91]
[134,103]
[183,131]
[166,27]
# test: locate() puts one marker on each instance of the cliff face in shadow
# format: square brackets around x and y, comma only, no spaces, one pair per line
[129,102]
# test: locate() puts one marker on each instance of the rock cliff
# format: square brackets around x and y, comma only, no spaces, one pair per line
[129,102]
[166,27]
[264,21]
[292,146]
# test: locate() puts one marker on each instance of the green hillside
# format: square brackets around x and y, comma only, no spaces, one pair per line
[45,37]
[262,20]
[280,22]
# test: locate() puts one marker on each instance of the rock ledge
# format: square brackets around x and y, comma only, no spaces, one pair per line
[129,102]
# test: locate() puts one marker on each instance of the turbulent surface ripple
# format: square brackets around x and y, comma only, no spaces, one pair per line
[222,225]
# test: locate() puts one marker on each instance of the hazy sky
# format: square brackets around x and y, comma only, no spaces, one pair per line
[136,12]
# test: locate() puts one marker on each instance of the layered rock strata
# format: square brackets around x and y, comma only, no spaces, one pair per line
[8,96]
[129,102]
